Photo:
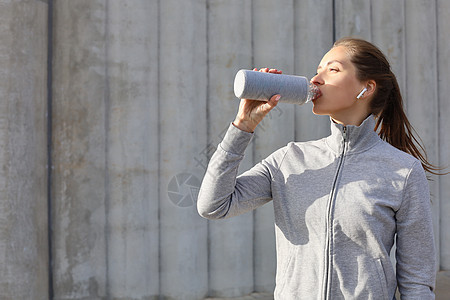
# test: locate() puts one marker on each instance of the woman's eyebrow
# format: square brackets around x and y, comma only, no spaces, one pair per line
[329,63]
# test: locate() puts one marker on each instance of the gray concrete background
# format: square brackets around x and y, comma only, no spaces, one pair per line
[140,96]
[23,150]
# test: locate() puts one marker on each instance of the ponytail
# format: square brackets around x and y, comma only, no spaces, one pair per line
[393,127]
[387,103]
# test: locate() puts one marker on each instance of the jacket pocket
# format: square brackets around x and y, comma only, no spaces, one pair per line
[284,274]
[382,278]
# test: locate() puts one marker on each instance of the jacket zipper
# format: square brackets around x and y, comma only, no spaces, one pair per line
[327,274]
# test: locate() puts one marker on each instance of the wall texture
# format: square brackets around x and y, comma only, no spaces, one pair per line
[24,271]
[141,94]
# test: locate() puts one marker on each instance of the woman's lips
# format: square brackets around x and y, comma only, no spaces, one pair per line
[317,95]
[313,93]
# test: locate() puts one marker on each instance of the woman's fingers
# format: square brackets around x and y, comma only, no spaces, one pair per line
[273,101]
[275,71]
[267,70]
[266,107]
[251,112]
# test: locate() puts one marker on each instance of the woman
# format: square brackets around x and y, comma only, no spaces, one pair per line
[338,201]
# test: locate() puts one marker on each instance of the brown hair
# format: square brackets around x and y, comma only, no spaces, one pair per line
[387,103]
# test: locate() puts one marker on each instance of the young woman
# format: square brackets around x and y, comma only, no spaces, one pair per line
[340,200]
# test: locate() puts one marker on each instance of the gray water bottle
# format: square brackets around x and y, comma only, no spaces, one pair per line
[262,85]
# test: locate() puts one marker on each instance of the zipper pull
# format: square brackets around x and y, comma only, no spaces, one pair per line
[344,133]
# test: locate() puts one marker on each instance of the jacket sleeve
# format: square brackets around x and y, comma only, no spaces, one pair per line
[222,193]
[416,257]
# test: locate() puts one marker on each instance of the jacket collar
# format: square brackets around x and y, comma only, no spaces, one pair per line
[358,138]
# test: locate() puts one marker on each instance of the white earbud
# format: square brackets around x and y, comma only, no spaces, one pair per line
[362,93]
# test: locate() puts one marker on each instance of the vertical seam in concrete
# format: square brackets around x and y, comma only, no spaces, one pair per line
[106,153]
[208,140]
[252,47]
[370,21]
[49,144]
[334,20]
[405,93]
[404,50]
[294,56]
[439,181]
[437,65]
[158,138]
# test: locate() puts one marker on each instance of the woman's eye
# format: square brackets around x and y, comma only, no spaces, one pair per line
[333,70]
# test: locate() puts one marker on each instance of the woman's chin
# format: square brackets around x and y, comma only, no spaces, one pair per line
[317,111]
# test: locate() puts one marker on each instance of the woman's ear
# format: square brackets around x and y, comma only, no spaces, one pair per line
[368,90]
[371,87]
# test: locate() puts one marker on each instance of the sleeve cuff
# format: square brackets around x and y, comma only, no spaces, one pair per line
[235,140]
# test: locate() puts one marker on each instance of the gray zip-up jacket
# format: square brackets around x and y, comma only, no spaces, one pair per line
[338,201]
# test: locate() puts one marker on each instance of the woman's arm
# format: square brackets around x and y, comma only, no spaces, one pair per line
[223,194]
[416,256]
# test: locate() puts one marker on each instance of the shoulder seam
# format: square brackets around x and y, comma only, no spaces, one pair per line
[288,146]
[405,182]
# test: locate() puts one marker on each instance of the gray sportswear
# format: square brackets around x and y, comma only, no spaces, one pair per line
[338,203]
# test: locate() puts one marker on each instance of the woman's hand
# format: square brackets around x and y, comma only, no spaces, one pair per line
[251,112]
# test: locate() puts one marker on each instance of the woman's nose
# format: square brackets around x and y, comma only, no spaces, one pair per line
[317,79]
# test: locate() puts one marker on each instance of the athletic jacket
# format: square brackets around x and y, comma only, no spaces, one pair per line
[338,202]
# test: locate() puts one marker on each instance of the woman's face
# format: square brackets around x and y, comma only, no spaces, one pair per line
[336,79]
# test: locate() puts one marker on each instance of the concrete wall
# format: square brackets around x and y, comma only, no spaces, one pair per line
[141,96]
[443,90]
[23,150]
[105,238]
[229,274]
